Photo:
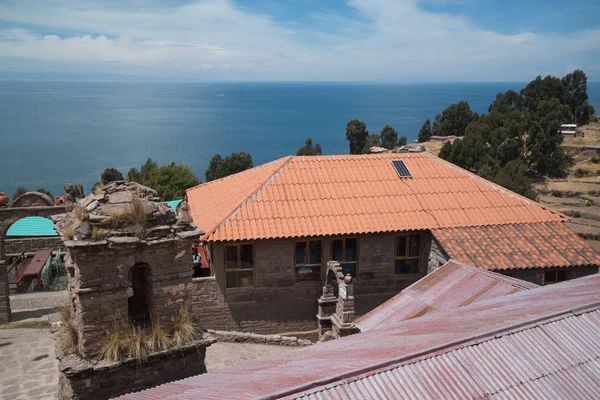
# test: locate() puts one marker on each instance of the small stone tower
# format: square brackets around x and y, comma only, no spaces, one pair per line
[128,258]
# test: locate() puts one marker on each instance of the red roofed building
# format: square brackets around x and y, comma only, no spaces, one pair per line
[389,219]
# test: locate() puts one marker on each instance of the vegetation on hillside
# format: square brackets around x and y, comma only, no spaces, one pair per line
[520,136]
[220,167]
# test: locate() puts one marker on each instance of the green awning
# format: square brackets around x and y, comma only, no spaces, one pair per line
[32,226]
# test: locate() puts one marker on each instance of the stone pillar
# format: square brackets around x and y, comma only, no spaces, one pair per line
[5,315]
[344,309]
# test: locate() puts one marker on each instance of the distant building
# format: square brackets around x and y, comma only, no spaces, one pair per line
[571,130]
[377,150]
[443,139]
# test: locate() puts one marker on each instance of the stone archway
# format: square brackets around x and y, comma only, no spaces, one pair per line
[336,305]
[30,204]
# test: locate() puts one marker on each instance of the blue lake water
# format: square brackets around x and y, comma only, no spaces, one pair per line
[57,132]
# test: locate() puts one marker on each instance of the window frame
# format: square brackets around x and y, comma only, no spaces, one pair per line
[343,239]
[556,271]
[307,265]
[407,252]
[239,263]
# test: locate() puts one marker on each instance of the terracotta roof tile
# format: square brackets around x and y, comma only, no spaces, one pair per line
[327,195]
[533,245]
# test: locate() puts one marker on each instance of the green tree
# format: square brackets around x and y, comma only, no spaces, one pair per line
[402,141]
[171,181]
[78,192]
[111,175]
[309,150]
[425,132]
[389,137]
[133,175]
[513,176]
[506,102]
[542,89]
[546,156]
[372,140]
[20,190]
[221,167]
[576,96]
[453,120]
[147,168]
[356,134]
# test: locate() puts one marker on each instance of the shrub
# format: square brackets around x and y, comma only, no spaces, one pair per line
[580,173]
[97,233]
[595,159]
[132,217]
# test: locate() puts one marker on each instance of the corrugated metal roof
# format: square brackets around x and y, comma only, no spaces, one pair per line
[543,245]
[32,226]
[173,203]
[352,194]
[450,286]
[527,363]
[333,366]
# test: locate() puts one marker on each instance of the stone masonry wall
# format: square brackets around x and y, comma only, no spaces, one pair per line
[4,299]
[83,380]
[437,257]
[31,245]
[99,285]
[537,275]
[277,304]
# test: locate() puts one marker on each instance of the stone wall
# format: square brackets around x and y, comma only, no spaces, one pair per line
[277,304]
[4,299]
[82,379]
[99,281]
[437,256]
[537,275]
[31,245]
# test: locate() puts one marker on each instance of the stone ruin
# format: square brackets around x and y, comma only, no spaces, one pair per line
[336,305]
[128,260]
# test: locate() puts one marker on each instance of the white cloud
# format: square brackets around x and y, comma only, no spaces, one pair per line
[214,39]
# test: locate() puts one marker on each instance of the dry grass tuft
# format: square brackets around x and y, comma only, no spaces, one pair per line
[79,212]
[136,344]
[113,347]
[159,340]
[132,217]
[184,329]
[69,232]
[99,188]
[97,233]
[69,340]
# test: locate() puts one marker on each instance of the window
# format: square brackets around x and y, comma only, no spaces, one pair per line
[345,251]
[407,254]
[308,260]
[239,265]
[551,277]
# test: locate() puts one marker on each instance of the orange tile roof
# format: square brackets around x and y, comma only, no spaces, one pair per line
[540,245]
[353,194]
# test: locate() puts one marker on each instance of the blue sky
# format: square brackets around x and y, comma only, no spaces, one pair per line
[296,40]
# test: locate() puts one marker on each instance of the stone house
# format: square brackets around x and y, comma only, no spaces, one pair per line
[388,219]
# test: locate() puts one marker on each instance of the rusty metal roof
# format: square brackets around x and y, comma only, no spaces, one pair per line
[428,347]
[353,194]
[450,286]
[543,245]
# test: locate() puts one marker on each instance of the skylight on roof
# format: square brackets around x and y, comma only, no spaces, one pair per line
[401,169]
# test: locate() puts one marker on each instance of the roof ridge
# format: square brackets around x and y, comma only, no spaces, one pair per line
[260,188]
[494,185]
[496,276]
[237,173]
[430,352]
